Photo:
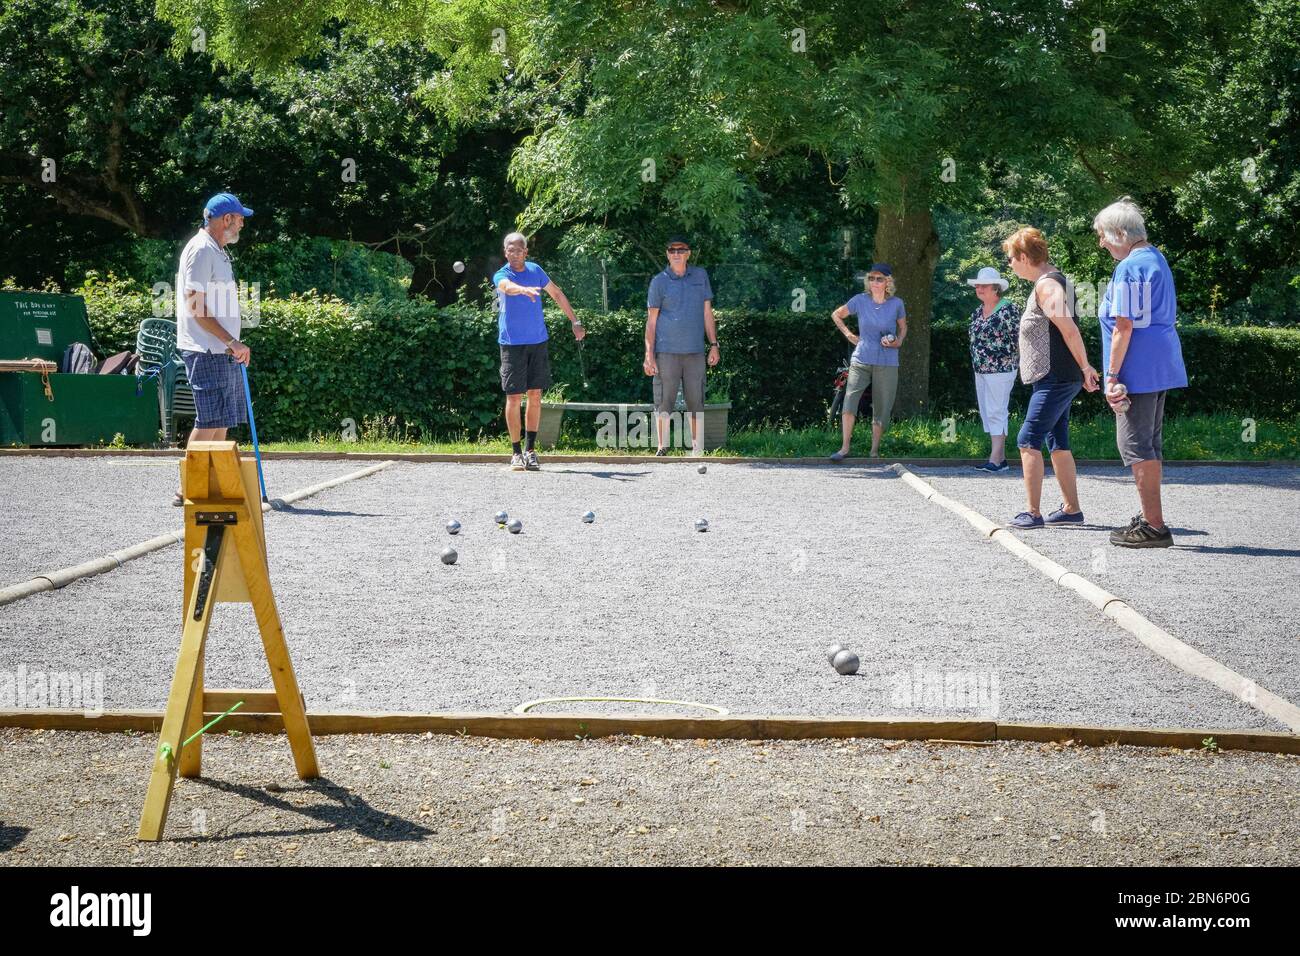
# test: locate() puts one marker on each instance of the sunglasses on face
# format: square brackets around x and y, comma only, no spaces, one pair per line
[876,279]
[678,252]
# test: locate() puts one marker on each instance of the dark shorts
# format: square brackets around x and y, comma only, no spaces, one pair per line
[680,370]
[1139,432]
[1048,415]
[525,368]
[218,389]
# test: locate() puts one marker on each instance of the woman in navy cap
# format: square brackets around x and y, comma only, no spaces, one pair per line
[882,327]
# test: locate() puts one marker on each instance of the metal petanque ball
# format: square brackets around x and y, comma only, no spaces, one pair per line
[832,651]
[846,662]
[448,555]
[453,526]
[702,469]
[502,517]
[701,524]
[515,526]
[589,517]
[458,266]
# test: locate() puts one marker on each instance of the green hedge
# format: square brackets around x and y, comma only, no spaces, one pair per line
[422,371]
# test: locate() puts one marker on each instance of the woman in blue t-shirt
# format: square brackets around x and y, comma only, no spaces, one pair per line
[1143,359]
[882,327]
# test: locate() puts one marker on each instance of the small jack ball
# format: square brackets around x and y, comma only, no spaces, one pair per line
[515,526]
[832,651]
[589,517]
[453,526]
[448,555]
[846,662]
[502,517]
[458,266]
[702,469]
[702,525]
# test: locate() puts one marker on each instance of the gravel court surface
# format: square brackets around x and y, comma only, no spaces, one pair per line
[1228,587]
[62,511]
[75,799]
[637,604]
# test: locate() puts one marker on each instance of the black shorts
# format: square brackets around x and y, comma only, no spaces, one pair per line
[524,368]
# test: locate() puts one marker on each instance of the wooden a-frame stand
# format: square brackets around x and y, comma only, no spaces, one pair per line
[225,561]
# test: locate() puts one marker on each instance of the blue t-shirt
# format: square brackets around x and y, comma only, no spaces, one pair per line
[519,318]
[875,321]
[1142,289]
[679,329]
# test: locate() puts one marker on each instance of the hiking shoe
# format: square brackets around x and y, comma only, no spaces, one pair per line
[1141,535]
[531,462]
[517,462]
[992,468]
[1026,520]
[1061,516]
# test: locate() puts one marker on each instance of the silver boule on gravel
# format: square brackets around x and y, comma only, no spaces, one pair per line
[845,662]
[515,526]
[701,524]
[453,526]
[502,517]
[448,555]
[832,651]
[589,517]
[702,469]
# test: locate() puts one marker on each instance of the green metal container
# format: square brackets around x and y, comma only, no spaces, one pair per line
[84,409]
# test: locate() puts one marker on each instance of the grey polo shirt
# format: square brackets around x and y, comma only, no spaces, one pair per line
[680,300]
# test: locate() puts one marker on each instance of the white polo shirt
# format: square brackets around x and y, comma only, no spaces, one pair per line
[205,267]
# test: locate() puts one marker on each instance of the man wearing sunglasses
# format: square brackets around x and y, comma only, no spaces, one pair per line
[680,338]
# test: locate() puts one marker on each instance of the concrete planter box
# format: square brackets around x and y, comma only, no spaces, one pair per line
[715,420]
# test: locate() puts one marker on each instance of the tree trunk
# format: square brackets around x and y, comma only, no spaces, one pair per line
[906,240]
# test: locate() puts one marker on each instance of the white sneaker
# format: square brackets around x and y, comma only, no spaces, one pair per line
[531,462]
[517,462]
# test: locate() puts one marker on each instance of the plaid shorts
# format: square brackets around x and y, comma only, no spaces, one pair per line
[218,389]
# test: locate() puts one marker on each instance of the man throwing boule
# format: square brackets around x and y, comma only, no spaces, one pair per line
[525,363]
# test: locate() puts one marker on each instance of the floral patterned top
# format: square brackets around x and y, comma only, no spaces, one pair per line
[994,341]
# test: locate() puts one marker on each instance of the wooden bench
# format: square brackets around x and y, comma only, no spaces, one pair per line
[715,420]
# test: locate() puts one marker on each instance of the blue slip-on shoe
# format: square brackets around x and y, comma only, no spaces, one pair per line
[1026,520]
[991,468]
[1061,516]
[838,456]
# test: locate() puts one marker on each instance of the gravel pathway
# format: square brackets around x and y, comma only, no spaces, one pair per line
[75,799]
[120,501]
[1230,587]
[636,604]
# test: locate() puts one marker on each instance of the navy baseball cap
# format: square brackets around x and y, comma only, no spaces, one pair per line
[882,268]
[224,203]
[679,240]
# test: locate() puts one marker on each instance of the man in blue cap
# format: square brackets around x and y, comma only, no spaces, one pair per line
[208,322]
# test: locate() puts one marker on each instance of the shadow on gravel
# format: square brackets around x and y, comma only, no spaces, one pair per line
[1240,549]
[11,836]
[325,512]
[612,475]
[345,811]
[1270,476]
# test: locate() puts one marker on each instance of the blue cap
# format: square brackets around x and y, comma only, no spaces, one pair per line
[224,203]
[882,268]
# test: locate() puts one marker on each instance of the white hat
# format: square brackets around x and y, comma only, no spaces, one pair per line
[988,276]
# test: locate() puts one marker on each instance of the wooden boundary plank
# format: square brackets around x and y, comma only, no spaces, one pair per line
[733,727]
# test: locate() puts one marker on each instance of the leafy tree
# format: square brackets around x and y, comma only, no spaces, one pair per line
[907,107]
[142,129]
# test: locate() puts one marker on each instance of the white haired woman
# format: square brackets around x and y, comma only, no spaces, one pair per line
[1143,359]
[995,356]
